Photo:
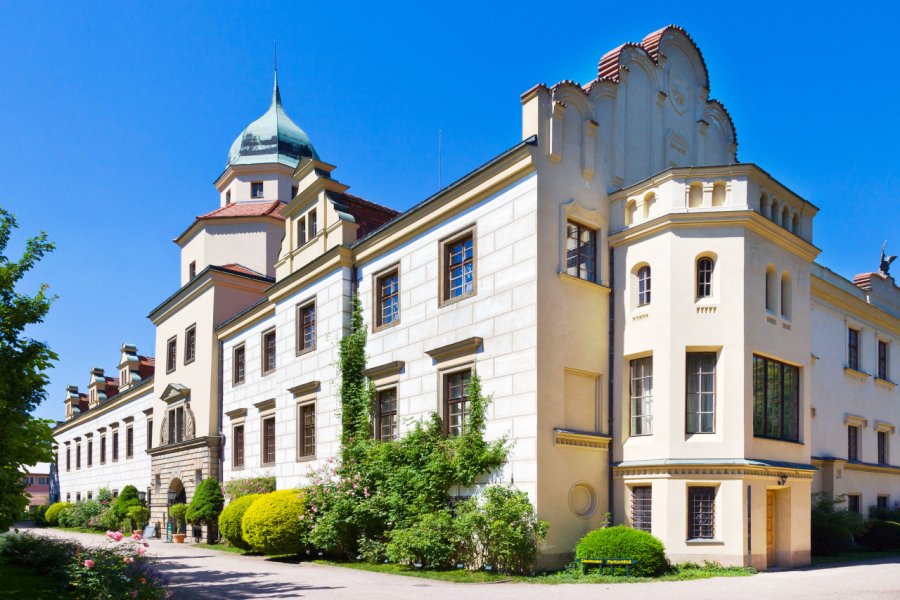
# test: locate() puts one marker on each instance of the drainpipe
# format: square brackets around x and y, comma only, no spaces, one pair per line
[609,377]
[221,416]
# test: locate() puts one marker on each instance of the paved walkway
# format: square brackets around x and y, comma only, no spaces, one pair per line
[200,573]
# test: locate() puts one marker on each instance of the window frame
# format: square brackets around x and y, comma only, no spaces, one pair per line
[796,391]
[379,415]
[239,445]
[462,400]
[700,412]
[882,360]
[699,274]
[378,298]
[642,507]
[854,503]
[177,427]
[68,458]
[114,444]
[444,279]
[90,452]
[103,449]
[264,440]
[645,399]
[644,295]
[693,526]
[190,344]
[129,441]
[234,365]
[312,224]
[853,348]
[853,446]
[264,352]
[192,270]
[253,188]
[301,346]
[882,443]
[580,256]
[304,435]
[149,433]
[171,354]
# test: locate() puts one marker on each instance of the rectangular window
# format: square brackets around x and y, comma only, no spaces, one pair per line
[237,452]
[190,344]
[103,450]
[268,440]
[192,269]
[882,447]
[301,232]
[256,189]
[129,442]
[268,352]
[701,513]
[90,495]
[293,192]
[387,289]
[881,502]
[149,434]
[882,360]
[581,251]
[641,507]
[306,327]
[642,396]
[776,399]
[458,269]
[228,197]
[176,425]
[313,223]
[124,378]
[386,415]
[701,392]
[307,417]
[456,398]
[237,365]
[852,442]
[171,354]
[854,501]
[90,453]
[78,456]
[77,496]
[68,459]
[115,445]
[853,348]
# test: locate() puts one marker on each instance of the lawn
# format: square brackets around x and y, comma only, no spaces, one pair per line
[222,548]
[681,573]
[853,556]
[21,582]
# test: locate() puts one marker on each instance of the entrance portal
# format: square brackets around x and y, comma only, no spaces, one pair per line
[177,495]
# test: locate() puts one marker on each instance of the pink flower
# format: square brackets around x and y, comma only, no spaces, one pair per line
[302,517]
[128,560]
[89,564]
[141,550]
[136,536]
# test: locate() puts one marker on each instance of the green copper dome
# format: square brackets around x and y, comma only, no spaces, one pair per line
[272,138]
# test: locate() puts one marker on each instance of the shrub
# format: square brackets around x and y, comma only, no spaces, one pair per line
[105,497]
[432,541]
[52,514]
[884,514]
[177,512]
[108,519]
[624,542]
[829,538]
[80,514]
[127,498]
[251,485]
[206,505]
[45,556]
[833,529]
[500,529]
[882,535]
[138,516]
[230,520]
[274,523]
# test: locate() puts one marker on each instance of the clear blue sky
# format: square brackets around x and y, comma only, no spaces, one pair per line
[116,119]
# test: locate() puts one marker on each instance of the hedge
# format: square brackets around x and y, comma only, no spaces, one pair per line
[52,514]
[624,542]
[230,521]
[274,524]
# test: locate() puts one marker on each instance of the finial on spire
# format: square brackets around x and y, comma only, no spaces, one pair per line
[276,93]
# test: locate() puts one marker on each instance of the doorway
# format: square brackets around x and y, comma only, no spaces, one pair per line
[770,528]
[177,495]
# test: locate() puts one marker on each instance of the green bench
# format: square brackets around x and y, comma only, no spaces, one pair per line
[601,563]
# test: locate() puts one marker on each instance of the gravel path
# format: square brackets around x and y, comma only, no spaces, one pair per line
[201,573]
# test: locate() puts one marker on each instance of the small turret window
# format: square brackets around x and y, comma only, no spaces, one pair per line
[256,189]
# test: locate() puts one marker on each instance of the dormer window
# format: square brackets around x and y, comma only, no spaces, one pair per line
[312,223]
[301,232]
[228,197]
[256,189]
[124,378]
[192,269]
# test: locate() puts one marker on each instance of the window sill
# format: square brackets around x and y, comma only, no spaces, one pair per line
[591,285]
[303,351]
[269,464]
[854,373]
[306,458]
[267,373]
[449,301]
[885,383]
[774,439]
[392,324]
[704,542]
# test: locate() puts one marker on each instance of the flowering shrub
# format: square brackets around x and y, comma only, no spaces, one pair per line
[276,523]
[230,521]
[251,485]
[80,514]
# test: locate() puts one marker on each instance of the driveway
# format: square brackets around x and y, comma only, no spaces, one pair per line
[199,573]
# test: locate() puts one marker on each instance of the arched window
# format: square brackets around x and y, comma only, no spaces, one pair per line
[786,218]
[785,295]
[630,211]
[765,207]
[643,279]
[649,201]
[718,196]
[795,224]
[704,277]
[771,289]
[776,211]
[695,195]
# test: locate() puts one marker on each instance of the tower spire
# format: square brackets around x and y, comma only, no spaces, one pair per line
[276,93]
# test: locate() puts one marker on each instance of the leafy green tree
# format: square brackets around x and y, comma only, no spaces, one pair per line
[207,503]
[127,498]
[24,440]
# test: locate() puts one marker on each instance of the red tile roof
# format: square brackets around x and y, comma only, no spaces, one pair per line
[368,215]
[147,366]
[247,209]
[237,268]
[608,69]
[112,386]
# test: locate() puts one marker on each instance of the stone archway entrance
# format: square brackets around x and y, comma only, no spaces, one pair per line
[177,495]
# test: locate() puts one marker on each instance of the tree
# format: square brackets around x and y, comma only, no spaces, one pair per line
[206,504]
[24,440]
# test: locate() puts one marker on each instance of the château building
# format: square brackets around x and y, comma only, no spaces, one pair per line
[645,310]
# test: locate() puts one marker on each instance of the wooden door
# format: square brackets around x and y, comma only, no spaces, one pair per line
[770,528]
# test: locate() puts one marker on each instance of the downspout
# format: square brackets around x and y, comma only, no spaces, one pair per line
[220,415]
[609,377]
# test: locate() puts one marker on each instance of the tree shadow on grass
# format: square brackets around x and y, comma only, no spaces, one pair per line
[194,582]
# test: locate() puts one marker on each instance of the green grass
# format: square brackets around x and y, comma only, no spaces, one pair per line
[681,573]
[80,530]
[21,582]
[853,556]
[222,548]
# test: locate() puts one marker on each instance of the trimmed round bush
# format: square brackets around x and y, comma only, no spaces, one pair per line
[882,535]
[626,543]
[127,498]
[274,523]
[830,538]
[230,520]
[52,514]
